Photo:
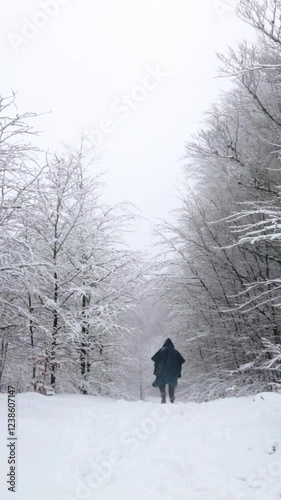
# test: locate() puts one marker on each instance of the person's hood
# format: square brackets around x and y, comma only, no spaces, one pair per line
[168,343]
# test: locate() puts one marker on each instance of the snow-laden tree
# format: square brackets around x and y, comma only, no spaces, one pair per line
[19,261]
[77,303]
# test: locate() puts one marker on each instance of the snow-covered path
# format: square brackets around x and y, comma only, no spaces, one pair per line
[87,448]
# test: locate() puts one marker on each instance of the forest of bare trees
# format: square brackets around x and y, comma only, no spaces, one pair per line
[82,312]
[66,277]
[222,261]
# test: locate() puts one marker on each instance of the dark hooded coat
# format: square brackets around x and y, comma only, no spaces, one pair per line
[168,362]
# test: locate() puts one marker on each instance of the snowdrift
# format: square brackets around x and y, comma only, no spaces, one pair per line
[89,448]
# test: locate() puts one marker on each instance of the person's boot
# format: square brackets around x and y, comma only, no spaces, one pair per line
[163,393]
[171,394]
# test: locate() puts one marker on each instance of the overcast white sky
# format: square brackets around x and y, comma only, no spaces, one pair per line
[92,53]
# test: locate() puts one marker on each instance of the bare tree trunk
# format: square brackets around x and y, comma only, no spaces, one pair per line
[84,350]
[3,356]
[31,336]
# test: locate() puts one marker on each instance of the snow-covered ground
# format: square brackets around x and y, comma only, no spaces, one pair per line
[88,448]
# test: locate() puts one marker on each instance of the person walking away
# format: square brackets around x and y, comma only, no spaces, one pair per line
[167,368]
